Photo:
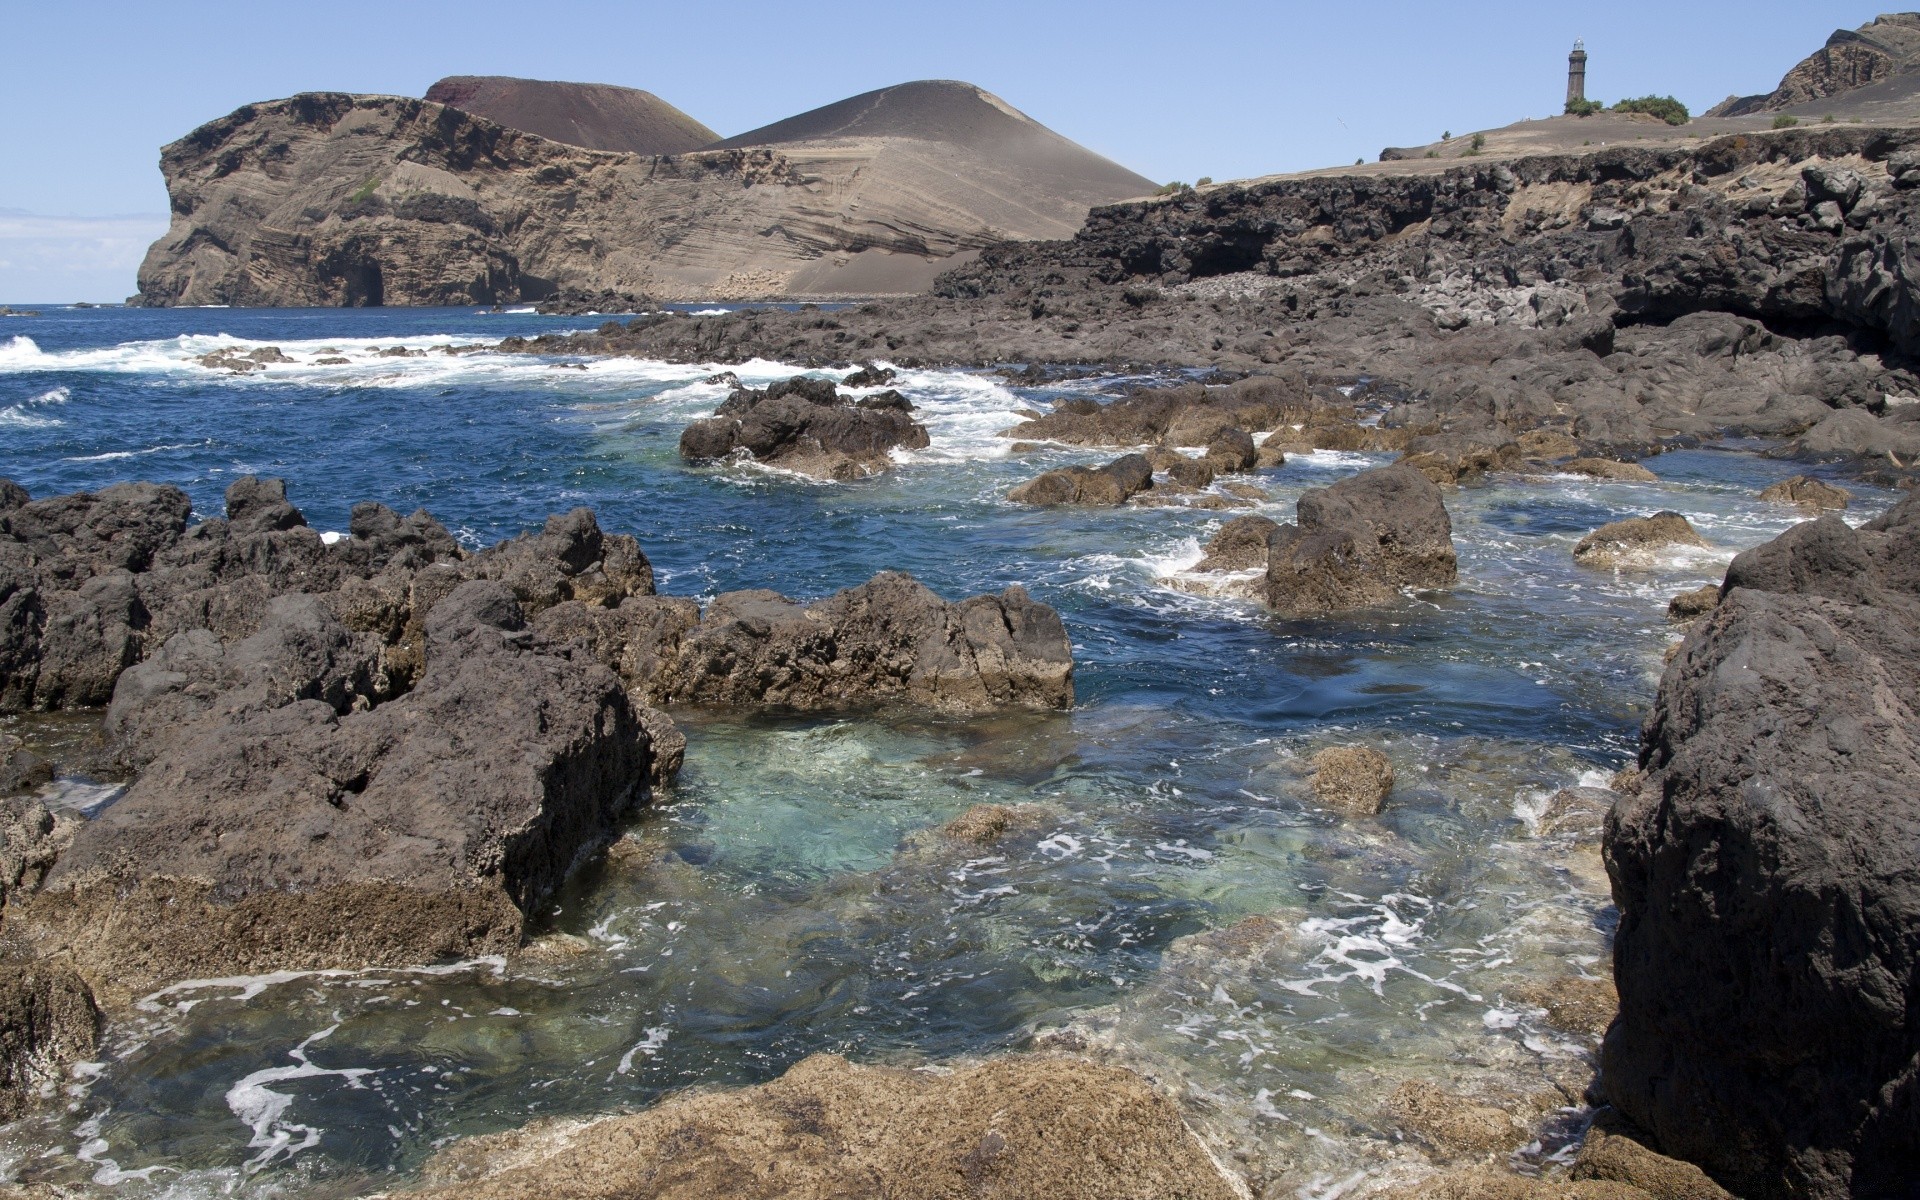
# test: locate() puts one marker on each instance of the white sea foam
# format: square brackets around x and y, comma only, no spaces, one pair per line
[32,413]
[648,1046]
[264,1110]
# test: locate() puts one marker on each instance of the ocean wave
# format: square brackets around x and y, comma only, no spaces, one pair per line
[23,414]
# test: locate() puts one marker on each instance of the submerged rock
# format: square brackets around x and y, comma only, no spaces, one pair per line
[1632,541]
[1807,492]
[1359,542]
[1764,872]
[1613,1151]
[804,424]
[1454,1125]
[1021,1126]
[1354,780]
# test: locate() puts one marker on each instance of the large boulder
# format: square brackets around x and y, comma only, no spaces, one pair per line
[888,640]
[569,559]
[1021,1126]
[805,424]
[1768,954]
[1359,542]
[275,836]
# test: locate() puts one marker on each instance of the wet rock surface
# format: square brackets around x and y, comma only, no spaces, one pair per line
[805,424]
[1017,1126]
[1629,542]
[1763,870]
[1357,543]
[1807,492]
[1098,487]
[48,1022]
[1354,780]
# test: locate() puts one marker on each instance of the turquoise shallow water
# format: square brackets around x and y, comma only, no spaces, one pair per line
[787,897]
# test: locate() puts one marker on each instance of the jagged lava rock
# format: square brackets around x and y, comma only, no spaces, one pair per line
[1359,542]
[804,424]
[1768,953]
[273,837]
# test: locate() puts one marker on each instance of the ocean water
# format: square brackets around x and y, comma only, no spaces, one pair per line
[788,897]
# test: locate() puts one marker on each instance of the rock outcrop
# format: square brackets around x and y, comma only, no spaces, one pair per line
[1852,58]
[1765,959]
[290,835]
[1017,1126]
[332,199]
[1354,780]
[806,424]
[1807,492]
[48,1022]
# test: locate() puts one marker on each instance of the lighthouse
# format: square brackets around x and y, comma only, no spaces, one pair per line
[1577,72]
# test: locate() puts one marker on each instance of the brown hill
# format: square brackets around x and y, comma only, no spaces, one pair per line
[960,115]
[598,116]
[1852,58]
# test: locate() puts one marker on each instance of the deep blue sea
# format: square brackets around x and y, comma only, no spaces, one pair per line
[787,898]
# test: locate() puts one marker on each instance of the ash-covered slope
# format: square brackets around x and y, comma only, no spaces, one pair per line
[598,116]
[334,199]
[1888,45]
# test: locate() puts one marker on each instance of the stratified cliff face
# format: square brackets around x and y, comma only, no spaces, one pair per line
[1852,58]
[334,199]
[598,116]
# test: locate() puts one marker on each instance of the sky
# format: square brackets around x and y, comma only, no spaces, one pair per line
[90,91]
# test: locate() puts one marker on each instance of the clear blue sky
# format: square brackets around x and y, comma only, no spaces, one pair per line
[90,91]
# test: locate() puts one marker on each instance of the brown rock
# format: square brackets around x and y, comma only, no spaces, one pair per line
[1625,543]
[1354,780]
[1548,444]
[1696,603]
[1808,492]
[47,1022]
[1614,1151]
[1097,487]
[1241,545]
[1359,542]
[1273,453]
[1457,1126]
[1574,1003]
[1607,468]
[1024,1126]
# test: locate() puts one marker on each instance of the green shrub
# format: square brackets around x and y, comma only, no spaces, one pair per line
[1583,108]
[1783,121]
[1203,181]
[1433,154]
[1665,107]
[366,191]
[1174,189]
[1478,144]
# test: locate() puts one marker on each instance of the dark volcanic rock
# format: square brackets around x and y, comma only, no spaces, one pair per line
[274,837]
[1359,542]
[804,424]
[1767,959]
[1100,487]
[890,639]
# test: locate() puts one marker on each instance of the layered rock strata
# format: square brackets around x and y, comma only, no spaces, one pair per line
[1766,957]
